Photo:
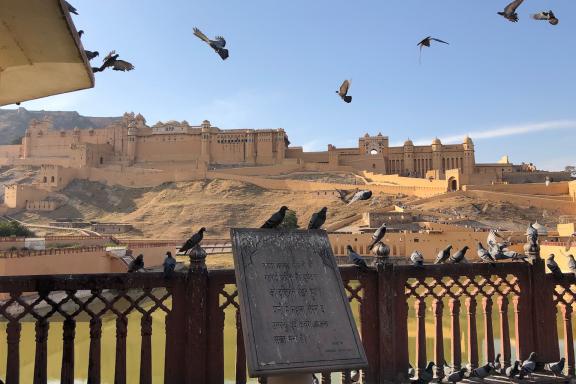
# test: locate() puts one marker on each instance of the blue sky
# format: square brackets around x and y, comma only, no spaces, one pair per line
[510,85]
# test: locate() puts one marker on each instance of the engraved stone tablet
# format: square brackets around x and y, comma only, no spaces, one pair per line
[295,314]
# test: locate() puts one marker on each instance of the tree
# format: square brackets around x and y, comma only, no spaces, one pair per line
[17,141]
[290,221]
[571,169]
[14,228]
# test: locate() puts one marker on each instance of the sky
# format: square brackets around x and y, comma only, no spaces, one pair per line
[510,86]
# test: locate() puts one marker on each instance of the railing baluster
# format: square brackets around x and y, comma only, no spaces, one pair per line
[488,331]
[346,377]
[94,360]
[472,332]
[41,356]
[146,349]
[454,305]
[240,352]
[369,327]
[13,360]
[437,309]
[505,348]
[68,335]
[120,364]
[215,362]
[326,378]
[568,338]
[420,309]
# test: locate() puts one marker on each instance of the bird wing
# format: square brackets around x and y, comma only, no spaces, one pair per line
[121,65]
[200,35]
[540,16]
[71,9]
[423,41]
[313,220]
[438,40]
[109,56]
[551,14]
[221,41]
[344,88]
[511,8]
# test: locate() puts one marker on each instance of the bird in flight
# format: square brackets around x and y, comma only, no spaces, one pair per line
[510,11]
[426,43]
[552,19]
[343,92]
[112,61]
[217,45]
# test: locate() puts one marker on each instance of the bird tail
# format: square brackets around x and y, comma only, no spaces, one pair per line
[348,99]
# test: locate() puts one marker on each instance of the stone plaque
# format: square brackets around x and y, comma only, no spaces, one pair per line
[295,314]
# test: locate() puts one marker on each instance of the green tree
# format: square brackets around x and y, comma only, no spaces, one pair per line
[290,221]
[571,169]
[17,141]
[13,228]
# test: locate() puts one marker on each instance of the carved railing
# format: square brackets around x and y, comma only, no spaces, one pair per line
[198,307]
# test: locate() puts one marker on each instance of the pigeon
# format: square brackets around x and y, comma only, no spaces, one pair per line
[318,219]
[528,366]
[510,11]
[558,367]
[458,256]
[482,372]
[356,259]
[343,91]
[457,376]
[91,54]
[360,195]
[136,264]
[532,233]
[426,43]
[485,255]
[169,264]
[513,370]
[417,259]
[553,267]
[276,219]
[377,236]
[552,19]
[572,264]
[193,241]
[427,375]
[443,255]
[411,371]
[342,195]
[354,375]
[217,45]
[381,250]
[315,379]
[111,61]
[71,9]
[80,33]
[569,242]
[496,364]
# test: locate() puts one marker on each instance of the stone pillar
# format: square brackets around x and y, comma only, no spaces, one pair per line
[437,155]
[408,158]
[205,137]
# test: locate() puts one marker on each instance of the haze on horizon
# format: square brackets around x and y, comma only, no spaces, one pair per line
[510,86]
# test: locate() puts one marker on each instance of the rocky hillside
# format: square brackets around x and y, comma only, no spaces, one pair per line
[13,122]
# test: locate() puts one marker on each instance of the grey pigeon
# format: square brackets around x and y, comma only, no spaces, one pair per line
[356,258]
[377,236]
[443,255]
[558,367]
[417,259]
[360,195]
[510,11]
[193,241]
[459,256]
[381,250]
[217,45]
[482,372]
[457,376]
[315,379]
[112,61]
[484,255]
[80,33]
[71,9]
[411,371]
[528,366]
[553,267]
[572,264]
[552,19]
[354,375]
[513,370]
[343,91]
[342,195]
[169,264]
[427,375]
[136,264]
[318,219]
[91,54]
[569,242]
[276,219]
[532,233]
[496,364]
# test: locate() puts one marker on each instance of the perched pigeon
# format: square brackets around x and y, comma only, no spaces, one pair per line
[71,9]
[136,264]
[458,256]
[443,255]
[482,372]
[485,255]
[532,233]
[276,219]
[569,242]
[513,370]
[496,364]
[91,54]
[318,219]
[343,91]
[417,259]
[427,375]
[356,258]
[193,241]
[217,45]
[360,195]
[572,264]
[342,195]
[552,19]
[169,264]
[111,61]
[315,379]
[411,371]
[558,367]
[553,267]
[354,375]
[80,33]
[457,376]
[377,236]
[528,366]
[510,11]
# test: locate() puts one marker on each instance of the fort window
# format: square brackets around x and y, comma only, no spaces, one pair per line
[101,160]
[52,179]
[44,179]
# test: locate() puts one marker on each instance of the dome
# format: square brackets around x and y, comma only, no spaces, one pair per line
[366,135]
[436,141]
[467,140]
[542,230]
[408,143]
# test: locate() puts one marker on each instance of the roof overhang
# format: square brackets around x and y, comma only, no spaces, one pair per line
[40,51]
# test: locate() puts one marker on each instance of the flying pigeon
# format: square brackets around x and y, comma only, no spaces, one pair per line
[426,43]
[377,236]
[111,61]
[71,9]
[276,219]
[318,219]
[558,367]
[360,195]
[510,11]
[572,264]
[482,372]
[513,370]
[458,256]
[417,259]
[546,16]
[443,255]
[528,366]
[553,267]
[193,241]
[356,258]
[343,91]
[136,264]
[457,376]
[484,255]
[217,45]
[169,264]
[91,54]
